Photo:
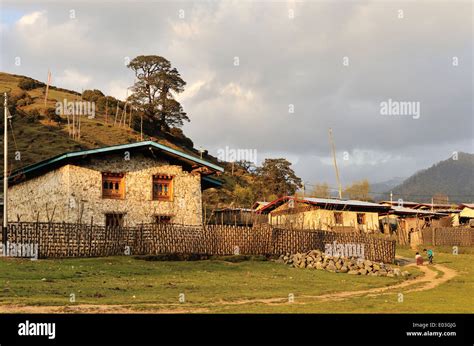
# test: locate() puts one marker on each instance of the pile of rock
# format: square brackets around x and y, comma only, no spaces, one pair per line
[316,259]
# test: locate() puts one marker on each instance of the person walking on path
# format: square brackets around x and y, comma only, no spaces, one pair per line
[430,255]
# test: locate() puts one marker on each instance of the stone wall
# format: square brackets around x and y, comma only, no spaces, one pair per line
[76,193]
[40,198]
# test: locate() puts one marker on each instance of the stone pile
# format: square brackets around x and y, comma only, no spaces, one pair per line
[316,259]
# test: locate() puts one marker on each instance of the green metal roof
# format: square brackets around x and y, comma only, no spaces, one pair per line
[63,157]
[212,181]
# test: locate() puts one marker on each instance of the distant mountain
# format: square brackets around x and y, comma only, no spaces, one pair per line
[378,190]
[453,178]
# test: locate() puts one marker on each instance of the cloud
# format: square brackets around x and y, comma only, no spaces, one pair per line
[118,89]
[73,79]
[283,61]
[36,19]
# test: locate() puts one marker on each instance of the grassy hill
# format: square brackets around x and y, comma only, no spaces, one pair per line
[453,178]
[38,137]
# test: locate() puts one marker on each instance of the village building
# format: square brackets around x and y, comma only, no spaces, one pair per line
[129,184]
[259,205]
[403,221]
[436,206]
[235,216]
[466,216]
[401,203]
[324,214]
[432,215]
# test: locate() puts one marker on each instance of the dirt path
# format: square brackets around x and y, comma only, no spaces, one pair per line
[428,281]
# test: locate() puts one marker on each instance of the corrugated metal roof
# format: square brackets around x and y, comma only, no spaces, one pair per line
[235,209]
[323,202]
[435,205]
[404,210]
[212,181]
[397,202]
[342,202]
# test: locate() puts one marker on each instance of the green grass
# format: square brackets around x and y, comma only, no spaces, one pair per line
[125,280]
[216,285]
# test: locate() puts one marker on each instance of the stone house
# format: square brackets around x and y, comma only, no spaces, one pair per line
[324,214]
[129,184]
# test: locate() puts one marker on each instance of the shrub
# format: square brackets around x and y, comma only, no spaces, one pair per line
[20,99]
[33,115]
[180,137]
[29,84]
[92,95]
[51,114]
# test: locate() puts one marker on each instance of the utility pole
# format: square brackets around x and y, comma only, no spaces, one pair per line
[47,87]
[391,197]
[106,108]
[335,162]
[5,167]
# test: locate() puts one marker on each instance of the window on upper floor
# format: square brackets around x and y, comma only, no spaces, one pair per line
[162,187]
[113,185]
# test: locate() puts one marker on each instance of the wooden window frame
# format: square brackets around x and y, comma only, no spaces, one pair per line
[338,215]
[163,179]
[114,178]
[162,216]
[117,215]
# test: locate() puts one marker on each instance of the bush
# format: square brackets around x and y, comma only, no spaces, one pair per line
[180,137]
[33,115]
[20,99]
[92,95]
[29,84]
[51,114]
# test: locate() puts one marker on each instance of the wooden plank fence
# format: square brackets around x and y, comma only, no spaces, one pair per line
[450,236]
[56,240]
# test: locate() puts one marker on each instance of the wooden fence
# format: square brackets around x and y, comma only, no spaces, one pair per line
[82,240]
[451,236]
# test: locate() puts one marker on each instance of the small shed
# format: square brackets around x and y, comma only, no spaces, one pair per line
[403,221]
[466,216]
[236,217]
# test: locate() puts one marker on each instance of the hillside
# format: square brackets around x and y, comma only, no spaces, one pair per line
[378,189]
[37,137]
[453,178]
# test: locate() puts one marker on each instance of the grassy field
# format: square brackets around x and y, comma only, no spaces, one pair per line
[125,280]
[222,286]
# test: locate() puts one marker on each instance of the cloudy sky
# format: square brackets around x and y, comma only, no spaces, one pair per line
[274,76]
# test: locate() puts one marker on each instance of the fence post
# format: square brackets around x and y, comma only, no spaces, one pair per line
[90,236]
